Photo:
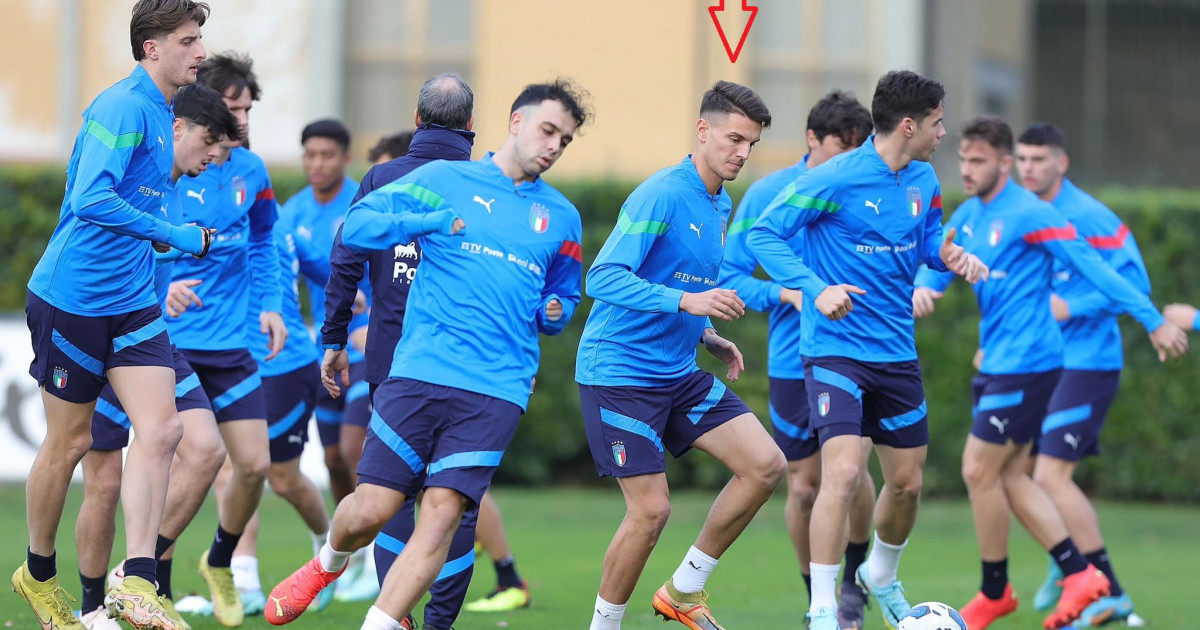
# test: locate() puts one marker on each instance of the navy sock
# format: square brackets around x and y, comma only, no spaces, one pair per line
[995,578]
[164,578]
[856,554]
[144,568]
[506,573]
[1069,560]
[221,552]
[41,568]
[162,545]
[808,586]
[93,593]
[1100,560]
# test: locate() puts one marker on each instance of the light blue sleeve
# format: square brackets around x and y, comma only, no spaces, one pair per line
[1127,261]
[737,270]
[613,278]
[801,203]
[564,280]
[397,213]
[939,279]
[264,255]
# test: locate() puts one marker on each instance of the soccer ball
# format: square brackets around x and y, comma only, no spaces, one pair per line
[931,616]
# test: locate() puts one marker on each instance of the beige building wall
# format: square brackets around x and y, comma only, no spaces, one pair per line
[29,98]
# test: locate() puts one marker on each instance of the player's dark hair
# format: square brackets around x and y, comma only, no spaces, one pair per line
[446,100]
[327,128]
[990,129]
[841,115]
[155,19]
[1044,135]
[904,94]
[394,145]
[202,105]
[570,96]
[230,74]
[726,97]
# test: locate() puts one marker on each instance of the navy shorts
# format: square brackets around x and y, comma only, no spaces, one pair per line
[290,398]
[110,423]
[73,353]
[629,428]
[1011,406]
[882,401]
[1076,413]
[423,435]
[231,380]
[790,419]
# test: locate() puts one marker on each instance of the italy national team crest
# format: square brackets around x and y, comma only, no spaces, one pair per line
[914,202]
[239,190]
[60,377]
[539,218]
[618,451]
[995,232]
[823,404]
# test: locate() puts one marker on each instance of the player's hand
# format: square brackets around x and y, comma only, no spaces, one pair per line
[977,361]
[1169,341]
[360,304]
[726,351]
[554,310]
[180,297]
[1182,315]
[960,262]
[720,303]
[333,363]
[923,301]
[457,226]
[532,385]
[1060,308]
[210,234]
[271,324]
[358,339]
[791,296]
[834,302]
[161,248]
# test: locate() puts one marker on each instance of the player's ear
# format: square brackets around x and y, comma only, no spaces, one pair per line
[150,49]
[1064,162]
[177,128]
[702,130]
[811,140]
[514,122]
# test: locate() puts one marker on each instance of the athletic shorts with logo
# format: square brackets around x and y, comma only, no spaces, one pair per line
[629,429]
[231,380]
[882,401]
[290,398]
[110,423]
[73,353]
[352,407]
[424,435]
[790,419]
[1076,412]
[1011,406]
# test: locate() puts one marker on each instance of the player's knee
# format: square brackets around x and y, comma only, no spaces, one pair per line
[281,483]
[841,477]
[161,436]
[802,491]
[651,515]
[103,483]
[771,468]
[253,469]
[978,475]
[1050,478]
[76,446]
[906,484]
[204,451]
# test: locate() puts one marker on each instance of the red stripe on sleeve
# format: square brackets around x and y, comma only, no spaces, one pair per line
[1116,241]
[1052,234]
[572,249]
[936,203]
[269,193]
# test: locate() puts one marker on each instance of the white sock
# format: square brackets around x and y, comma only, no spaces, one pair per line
[379,620]
[317,541]
[824,585]
[245,573]
[607,616]
[331,560]
[884,561]
[693,571]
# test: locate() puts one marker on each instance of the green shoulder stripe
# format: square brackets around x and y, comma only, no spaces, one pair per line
[431,199]
[805,202]
[628,226]
[111,140]
[741,225]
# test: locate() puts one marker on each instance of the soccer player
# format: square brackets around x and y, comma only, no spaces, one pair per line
[442,425]
[1020,237]
[94,318]
[202,122]
[390,147]
[655,286]
[836,124]
[1092,361]
[207,306]
[871,217]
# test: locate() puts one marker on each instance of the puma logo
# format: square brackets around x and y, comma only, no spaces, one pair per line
[486,204]
[969,231]
[278,608]
[295,439]
[1073,440]
[693,565]
[693,226]
[161,146]
[998,423]
[873,206]
[197,195]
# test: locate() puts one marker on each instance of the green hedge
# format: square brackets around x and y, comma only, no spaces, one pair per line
[1151,446]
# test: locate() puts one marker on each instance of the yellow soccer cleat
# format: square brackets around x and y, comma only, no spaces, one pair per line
[173,614]
[502,600]
[136,602]
[689,609]
[227,603]
[47,599]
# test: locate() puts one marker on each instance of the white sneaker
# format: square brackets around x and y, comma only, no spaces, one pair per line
[195,605]
[98,620]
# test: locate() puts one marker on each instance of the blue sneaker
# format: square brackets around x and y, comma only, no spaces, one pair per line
[824,619]
[253,602]
[1104,611]
[892,602]
[323,598]
[1048,593]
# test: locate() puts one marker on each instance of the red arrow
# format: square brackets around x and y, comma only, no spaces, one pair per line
[720,7]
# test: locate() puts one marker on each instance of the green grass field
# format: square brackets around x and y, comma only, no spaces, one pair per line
[559,537]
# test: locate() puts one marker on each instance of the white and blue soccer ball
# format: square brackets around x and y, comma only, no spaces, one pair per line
[931,616]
